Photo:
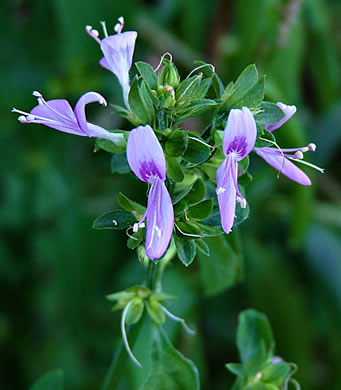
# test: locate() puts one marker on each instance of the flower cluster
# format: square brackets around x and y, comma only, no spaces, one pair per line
[177,164]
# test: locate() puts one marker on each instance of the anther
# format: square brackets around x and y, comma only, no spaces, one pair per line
[220,190]
[298,155]
[135,227]
[31,117]
[242,202]
[158,231]
[37,94]
[311,147]
[22,119]
[88,28]
[114,222]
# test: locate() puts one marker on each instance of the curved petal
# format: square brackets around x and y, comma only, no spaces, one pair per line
[89,97]
[226,192]
[145,155]
[99,132]
[240,132]
[289,111]
[284,166]
[160,221]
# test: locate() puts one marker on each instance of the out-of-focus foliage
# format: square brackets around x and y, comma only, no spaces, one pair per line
[55,270]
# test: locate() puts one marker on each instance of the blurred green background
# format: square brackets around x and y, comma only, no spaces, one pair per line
[55,270]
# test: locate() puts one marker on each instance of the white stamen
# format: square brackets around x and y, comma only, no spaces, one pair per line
[160,63]
[158,231]
[114,222]
[104,28]
[200,67]
[311,147]
[299,155]
[220,190]
[121,19]
[135,227]
[308,164]
[117,27]
[202,142]
[88,28]
[37,94]
[31,117]
[188,234]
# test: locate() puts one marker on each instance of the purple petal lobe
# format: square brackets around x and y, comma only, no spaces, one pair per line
[89,97]
[226,192]
[160,220]
[240,133]
[58,110]
[289,111]
[284,166]
[145,155]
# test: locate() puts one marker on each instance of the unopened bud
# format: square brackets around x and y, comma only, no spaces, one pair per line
[169,75]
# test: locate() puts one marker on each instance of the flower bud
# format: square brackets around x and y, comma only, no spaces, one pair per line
[169,75]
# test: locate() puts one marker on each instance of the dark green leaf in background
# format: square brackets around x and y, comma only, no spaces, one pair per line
[54,380]
[118,219]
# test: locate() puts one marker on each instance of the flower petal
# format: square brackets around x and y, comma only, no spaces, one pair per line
[226,193]
[118,51]
[240,133]
[289,111]
[284,166]
[145,155]
[160,220]
[58,110]
[89,97]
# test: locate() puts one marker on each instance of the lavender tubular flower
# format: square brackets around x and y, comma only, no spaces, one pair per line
[118,53]
[59,115]
[146,159]
[288,111]
[238,141]
[280,158]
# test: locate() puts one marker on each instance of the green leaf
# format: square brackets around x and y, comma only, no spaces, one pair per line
[135,240]
[222,269]
[201,210]
[129,205]
[209,230]
[243,164]
[261,386]
[247,79]
[176,143]
[110,146]
[54,380]
[269,115]
[261,143]
[236,369]
[186,249]
[119,164]
[253,329]
[118,219]
[208,71]
[147,102]
[196,152]
[196,193]
[148,74]
[187,91]
[254,95]
[202,246]
[276,373]
[174,169]
[138,104]
[124,113]
[189,227]
[170,370]
[198,107]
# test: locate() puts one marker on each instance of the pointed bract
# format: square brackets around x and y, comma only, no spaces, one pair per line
[289,111]
[147,160]
[59,115]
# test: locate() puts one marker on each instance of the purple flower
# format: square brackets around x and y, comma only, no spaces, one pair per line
[118,53]
[289,111]
[280,158]
[238,141]
[59,115]
[147,160]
